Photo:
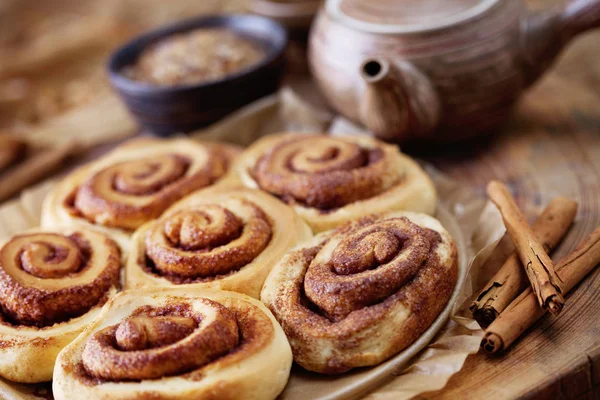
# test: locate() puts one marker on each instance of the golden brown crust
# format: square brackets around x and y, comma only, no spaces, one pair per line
[47,277]
[224,238]
[136,182]
[359,294]
[227,345]
[332,180]
[208,241]
[324,172]
[129,193]
[51,286]
[151,345]
[366,267]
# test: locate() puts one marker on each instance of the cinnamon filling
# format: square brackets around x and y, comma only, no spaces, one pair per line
[148,176]
[69,204]
[129,193]
[206,242]
[371,277]
[324,172]
[202,230]
[143,333]
[46,260]
[152,345]
[365,266]
[157,342]
[47,278]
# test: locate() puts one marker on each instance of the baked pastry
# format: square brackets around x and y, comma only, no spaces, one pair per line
[52,285]
[359,294]
[225,238]
[176,343]
[135,183]
[332,180]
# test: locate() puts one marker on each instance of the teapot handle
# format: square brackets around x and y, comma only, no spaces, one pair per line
[544,34]
[579,16]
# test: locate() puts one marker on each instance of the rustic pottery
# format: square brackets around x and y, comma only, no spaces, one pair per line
[295,15]
[187,107]
[415,70]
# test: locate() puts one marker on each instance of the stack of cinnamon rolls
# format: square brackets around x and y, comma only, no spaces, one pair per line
[182,269]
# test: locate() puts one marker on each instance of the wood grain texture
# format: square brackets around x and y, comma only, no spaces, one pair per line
[35,168]
[550,147]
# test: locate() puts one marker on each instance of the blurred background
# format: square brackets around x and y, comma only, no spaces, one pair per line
[54,87]
[54,52]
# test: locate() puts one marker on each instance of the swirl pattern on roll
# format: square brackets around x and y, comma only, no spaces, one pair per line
[359,294]
[331,180]
[156,343]
[144,187]
[208,241]
[222,238]
[367,266]
[211,342]
[48,278]
[324,172]
[137,182]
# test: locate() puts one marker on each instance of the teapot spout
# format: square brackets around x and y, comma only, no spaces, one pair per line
[399,102]
[544,34]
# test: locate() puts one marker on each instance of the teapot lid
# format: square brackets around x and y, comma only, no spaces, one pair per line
[404,16]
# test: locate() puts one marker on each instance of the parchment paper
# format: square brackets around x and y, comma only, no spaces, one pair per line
[480,225]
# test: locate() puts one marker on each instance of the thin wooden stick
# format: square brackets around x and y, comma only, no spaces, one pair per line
[11,150]
[524,311]
[551,226]
[33,169]
[540,270]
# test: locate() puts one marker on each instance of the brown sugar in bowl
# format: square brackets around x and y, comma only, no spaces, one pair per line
[186,106]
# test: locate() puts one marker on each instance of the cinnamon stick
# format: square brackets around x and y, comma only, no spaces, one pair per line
[524,311]
[546,284]
[33,169]
[510,280]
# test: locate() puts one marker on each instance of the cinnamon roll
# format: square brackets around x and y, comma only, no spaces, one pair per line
[361,293]
[52,285]
[135,183]
[332,180]
[226,238]
[176,343]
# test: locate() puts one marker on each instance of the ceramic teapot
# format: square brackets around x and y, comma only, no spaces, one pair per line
[436,69]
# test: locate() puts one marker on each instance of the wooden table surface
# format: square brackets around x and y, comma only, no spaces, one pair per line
[550,147]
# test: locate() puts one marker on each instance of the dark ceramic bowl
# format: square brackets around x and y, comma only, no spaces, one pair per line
[184,108]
